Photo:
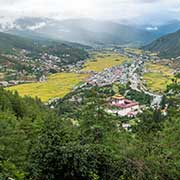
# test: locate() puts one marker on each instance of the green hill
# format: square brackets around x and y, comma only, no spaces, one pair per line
[168,46]
[8,41]
[10,44]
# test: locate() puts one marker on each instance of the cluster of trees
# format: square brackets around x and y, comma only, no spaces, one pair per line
[20,122]
[80,141]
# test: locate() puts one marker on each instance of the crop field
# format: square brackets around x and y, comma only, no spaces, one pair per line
[57,85]
[158,68]
[158,77]
[99,61]
[156,82]
[135,51]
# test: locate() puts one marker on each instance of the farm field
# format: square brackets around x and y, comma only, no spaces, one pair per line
[135,51]
[165,70]
[57,85]
[156,82]
[100,61]
[158,77]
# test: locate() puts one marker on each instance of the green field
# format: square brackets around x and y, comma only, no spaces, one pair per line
[158,77]
[57,85]
[99,61]
[156,81]
[158,68]
[135,51]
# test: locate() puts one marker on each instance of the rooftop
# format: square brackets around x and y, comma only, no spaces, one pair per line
[119,97]
[126,104]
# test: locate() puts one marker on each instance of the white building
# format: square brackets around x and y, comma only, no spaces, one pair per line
[123,107]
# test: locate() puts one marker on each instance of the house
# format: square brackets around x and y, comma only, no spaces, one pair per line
[126,126]
[123,107]
[4,83]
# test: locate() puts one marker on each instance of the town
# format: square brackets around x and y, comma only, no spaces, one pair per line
[130,73]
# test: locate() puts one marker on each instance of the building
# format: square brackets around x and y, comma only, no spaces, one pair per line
[4,83]
[123,107]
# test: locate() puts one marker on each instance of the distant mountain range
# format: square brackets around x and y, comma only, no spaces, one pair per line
[87,31]
[163,29]
[168,46]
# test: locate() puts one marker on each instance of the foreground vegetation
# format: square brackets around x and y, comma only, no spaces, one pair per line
[57,85]
[78,140]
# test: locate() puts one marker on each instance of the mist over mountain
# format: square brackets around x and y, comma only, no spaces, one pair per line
[87,31]
[163,29]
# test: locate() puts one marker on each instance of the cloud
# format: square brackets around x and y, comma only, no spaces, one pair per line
[152,28]
[148,1]
[175,10]
[138,11]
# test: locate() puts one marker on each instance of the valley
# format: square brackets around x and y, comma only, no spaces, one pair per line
[140,69]
[30,60]
[89,90]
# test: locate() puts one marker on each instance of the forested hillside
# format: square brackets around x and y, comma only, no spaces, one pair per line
[11,44]
[29,59]
[7,42]
[79,140]
[168,46]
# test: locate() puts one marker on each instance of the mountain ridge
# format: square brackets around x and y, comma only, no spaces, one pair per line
[85,31]
[168,46]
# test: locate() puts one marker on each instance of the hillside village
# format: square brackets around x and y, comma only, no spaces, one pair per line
[29,69]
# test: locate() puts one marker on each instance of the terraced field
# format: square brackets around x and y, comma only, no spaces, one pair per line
[57,85]
[158,77]
[100,61]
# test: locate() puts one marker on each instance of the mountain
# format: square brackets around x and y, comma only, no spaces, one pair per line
[163,29]
[85,31]
[169,27]
[88,31]
[8,42]
[16,50]
[168,46]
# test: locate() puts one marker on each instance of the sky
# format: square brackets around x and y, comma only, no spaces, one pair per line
[130,11]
